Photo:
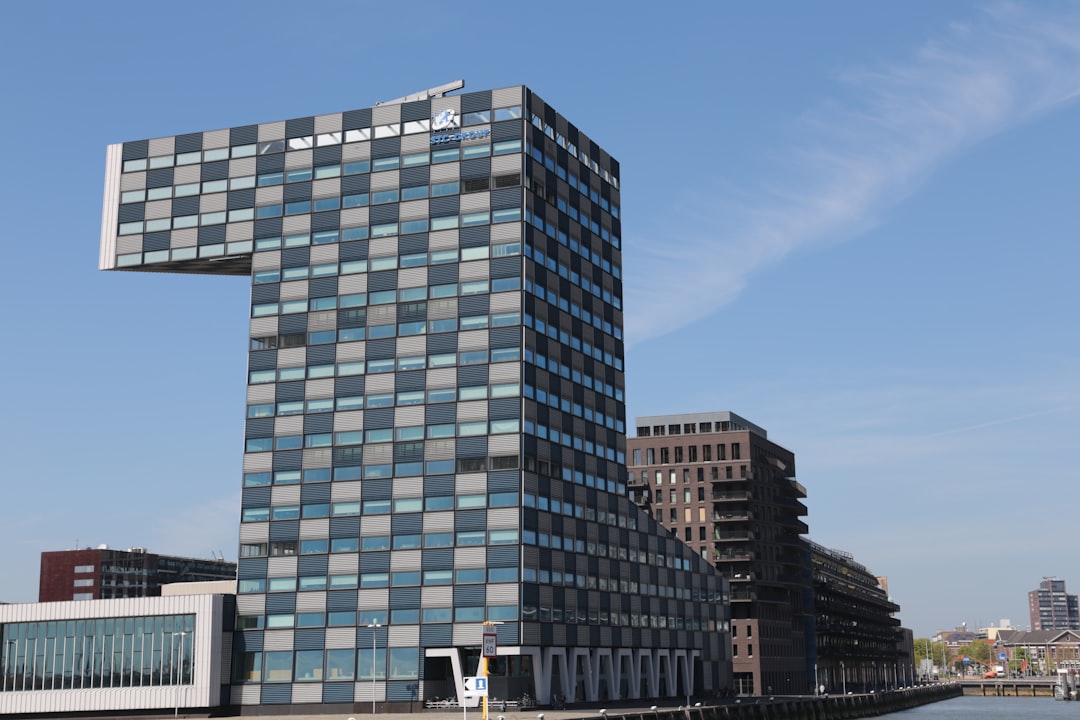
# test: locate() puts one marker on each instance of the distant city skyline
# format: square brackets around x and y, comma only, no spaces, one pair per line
[862,236]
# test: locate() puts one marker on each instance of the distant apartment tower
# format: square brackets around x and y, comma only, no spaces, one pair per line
[102,573]
[720,485]
[1051,608]
[858,640]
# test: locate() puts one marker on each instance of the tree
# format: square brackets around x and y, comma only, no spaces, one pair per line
[937,653]
[981,652]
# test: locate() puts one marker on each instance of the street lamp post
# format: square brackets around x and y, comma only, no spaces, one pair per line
[374,627]
[484,664]
[179,665]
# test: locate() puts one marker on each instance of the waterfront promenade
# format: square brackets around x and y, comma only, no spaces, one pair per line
[808,707]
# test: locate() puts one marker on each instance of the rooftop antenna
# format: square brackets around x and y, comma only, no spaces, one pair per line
[426,94]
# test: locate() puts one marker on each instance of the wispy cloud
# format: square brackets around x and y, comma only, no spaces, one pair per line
[885,132]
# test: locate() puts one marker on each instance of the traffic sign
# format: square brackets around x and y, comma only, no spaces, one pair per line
[1002,656]
[491,645]
[967,660]
[476,686]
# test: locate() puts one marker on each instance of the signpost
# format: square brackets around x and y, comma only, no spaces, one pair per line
[476,686]
[491,645]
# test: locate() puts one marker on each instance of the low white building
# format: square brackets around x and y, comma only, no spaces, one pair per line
[115,655]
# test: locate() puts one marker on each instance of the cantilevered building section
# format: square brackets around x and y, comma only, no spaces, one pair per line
[435,420]
[718,483]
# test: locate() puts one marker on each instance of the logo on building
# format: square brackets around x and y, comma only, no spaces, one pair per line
[443,120]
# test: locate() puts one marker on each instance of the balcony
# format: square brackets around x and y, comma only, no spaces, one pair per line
[730,516]
[733,496]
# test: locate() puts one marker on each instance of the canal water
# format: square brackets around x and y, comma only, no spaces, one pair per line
[992,708]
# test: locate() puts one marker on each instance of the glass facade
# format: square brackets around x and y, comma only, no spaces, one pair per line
[435,408]
[98,653]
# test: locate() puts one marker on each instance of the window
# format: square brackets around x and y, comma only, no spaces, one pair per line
[735,454]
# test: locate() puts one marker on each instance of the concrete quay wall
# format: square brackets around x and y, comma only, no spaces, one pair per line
[837,707]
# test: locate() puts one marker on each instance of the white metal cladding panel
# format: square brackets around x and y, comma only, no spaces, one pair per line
[291,357]
[405,560]
[158,209]
[250,604]
[356,151]
[269,195]
[475,270]
[289,425]
[375,525]
[442,377]
[378,454]
[473,340]
[408,416]
[350,351]
[504,373]
[314,528]
[281,566]
[161,146]
[352,284]
[186,174]
[318,457]
[254,532]
[505,301]
[310,601]
[269,260]
[132,181]
[470,557]
[383,247]
[296,224]
[386,180]
[213,203]
[501,594]
[298,158]
[504,164]
[242,167]
[439,449]
[328,123]
[474,202]
[260,393]
[382,314]
[374,598]
[415,143]
[446,172]
[216,139]
[324,319]
[258,462]
[505,231]
[324,253]
[278,640]
[345,491]
[306,693]
[505,97]
[438,522]
[246,694]
[443,240]
[337,638]
[503,518]
[475,410]
[380,382]
[341,564]
[471,483]
[384,114]
[412,277]
[468,634]
[128,244]
[321,388]
[349,421]
[413,209]
[110,207]
[326,187]
[437,596]
[294,290]
[285,494]
[414,345]
[509,444]
[439,309]
[240,231]
[403,635]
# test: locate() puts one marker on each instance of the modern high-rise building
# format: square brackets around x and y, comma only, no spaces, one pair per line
[1051,608]
[104,573]
[722,487]
[434,444]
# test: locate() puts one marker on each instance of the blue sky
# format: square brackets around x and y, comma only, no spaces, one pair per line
[852,223]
